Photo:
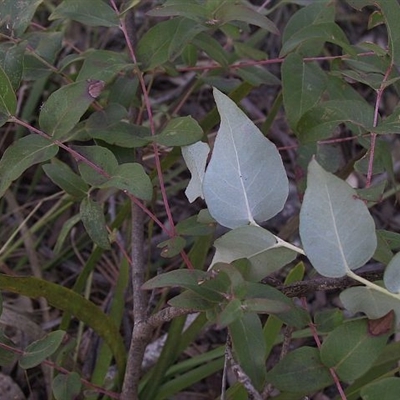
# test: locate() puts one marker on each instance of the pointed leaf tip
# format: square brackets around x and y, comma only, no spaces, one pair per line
[245,181]
[336,228]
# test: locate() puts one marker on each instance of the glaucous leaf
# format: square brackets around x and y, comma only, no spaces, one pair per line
[88,12]
[93,219]
[351,350]
[8,100]
[374,304]
[131,177]
[65,107]
[181,131]
[21,155]
[66,386]
[336,228]
[249,346]
[195,156]
[391,277]
[300,371]
[245,181]
[63,176]
[253,243]
[39,350]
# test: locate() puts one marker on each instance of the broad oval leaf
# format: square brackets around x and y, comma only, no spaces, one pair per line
[88,12]
[102,158]
[166,40]
[180,131]
[21,155]
[65,107]
[374,304]
[63,176]
[94,222]
[66,386]
[351,350]
[391,277]
[195,157]
[336,228]
[131,177]
[382,389]
[38,351]
[301,371]
[245,181]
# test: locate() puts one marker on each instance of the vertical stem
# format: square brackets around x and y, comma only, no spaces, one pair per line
[138,343]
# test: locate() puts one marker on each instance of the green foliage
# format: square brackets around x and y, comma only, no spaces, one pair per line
[83,117]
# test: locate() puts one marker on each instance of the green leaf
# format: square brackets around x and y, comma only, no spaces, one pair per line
[212,48]
[64,232]
[102,158]
[12,62]
[102,65]
[257,75]
[66,387]
[63,176]
[191,301]
[191,226]
[301,371]
[172,247]
[316,12]
[231,312]
[265,306]
[111,126]
[391,13]
[184,278]
[16,16]
[7,356]
[351,350]
[319,122]
[294,316]
[21,155]
[65,107]
[182,8]
[391,124]
[39,350]
[328,31]
[94,222]
[131,177]
[336,228]
[249,347]
[195,157]
[303,84]
[165,41]
[245,180]
[70,301]
[8,100]
[256,244]
[384,389]
[238,12]
[88,12]
[181,131]
[46,45]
